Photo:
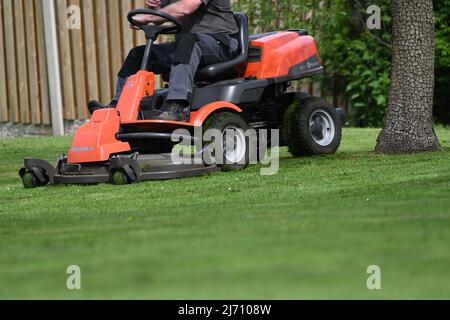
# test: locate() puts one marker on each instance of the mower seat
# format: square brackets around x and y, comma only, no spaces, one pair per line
[234,67]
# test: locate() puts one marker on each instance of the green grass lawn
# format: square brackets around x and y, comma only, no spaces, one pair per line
[309,232]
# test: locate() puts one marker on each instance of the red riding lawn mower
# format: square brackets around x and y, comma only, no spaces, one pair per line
[125,145]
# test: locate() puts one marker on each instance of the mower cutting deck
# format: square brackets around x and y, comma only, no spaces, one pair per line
[252,91]
[119,170]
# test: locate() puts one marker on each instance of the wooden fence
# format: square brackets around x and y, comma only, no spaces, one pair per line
[89,57]
[22,63]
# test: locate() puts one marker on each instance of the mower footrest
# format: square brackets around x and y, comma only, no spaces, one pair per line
[82,179]
[178,174]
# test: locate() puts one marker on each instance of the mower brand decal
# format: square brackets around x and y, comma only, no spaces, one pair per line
[76,149]
[311,63]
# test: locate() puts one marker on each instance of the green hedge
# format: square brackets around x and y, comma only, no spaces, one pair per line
[357,61]
[442,93]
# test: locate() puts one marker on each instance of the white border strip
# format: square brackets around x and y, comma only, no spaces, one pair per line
[54,75]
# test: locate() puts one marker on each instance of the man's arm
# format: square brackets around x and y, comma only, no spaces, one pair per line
[156,4]
[178,10]
[152,4]
[183,8]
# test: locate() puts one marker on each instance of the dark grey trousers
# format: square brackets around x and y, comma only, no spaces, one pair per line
[206,51]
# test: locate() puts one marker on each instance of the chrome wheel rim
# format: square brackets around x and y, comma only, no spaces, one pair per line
[234,144]
[322,128]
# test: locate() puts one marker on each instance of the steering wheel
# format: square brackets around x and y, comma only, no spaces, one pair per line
[176,26]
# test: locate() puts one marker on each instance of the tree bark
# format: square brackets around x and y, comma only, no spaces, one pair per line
[409,120]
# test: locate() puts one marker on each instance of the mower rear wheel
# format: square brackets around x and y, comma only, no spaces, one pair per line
[239,157]
[312,127]
[120,178]
[30,181]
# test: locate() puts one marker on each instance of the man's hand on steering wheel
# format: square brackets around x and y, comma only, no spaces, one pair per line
[149,4]
[153,4]
[175,10]
[154,22]
[133,27]
[147,19]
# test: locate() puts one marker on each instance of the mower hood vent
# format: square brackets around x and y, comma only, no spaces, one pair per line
[254,54]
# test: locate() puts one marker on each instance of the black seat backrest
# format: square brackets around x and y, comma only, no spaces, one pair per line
[232,68]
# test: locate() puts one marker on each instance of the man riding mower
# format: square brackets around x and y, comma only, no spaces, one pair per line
[208,37]
[220,78]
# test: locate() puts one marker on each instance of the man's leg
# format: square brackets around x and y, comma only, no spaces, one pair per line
[161,62]
[193,51]
[121,81]
[130,66]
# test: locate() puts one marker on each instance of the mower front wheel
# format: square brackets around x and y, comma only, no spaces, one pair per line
[235,146]
[120,178]
[30,181]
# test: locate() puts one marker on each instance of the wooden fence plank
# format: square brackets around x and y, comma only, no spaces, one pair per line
[32,54]
[127,34]
[102,50]
[115,45]
[11,61]
[21,56]
[3,86]
[78,69]
[139,37]
[42,66]
[66,61]
[90,46]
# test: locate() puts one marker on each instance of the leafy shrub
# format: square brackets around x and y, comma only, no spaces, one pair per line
[357,60]
[442,92]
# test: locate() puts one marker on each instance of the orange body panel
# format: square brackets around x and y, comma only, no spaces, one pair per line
[280,52]
[198,117]
[141,85]
[96,140]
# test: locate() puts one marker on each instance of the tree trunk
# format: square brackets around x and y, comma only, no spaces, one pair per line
[409,120]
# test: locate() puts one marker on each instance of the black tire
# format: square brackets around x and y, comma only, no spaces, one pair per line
[120,178]
[321,138]
[287,100]
[302,95]
[222,122]
[30,181]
